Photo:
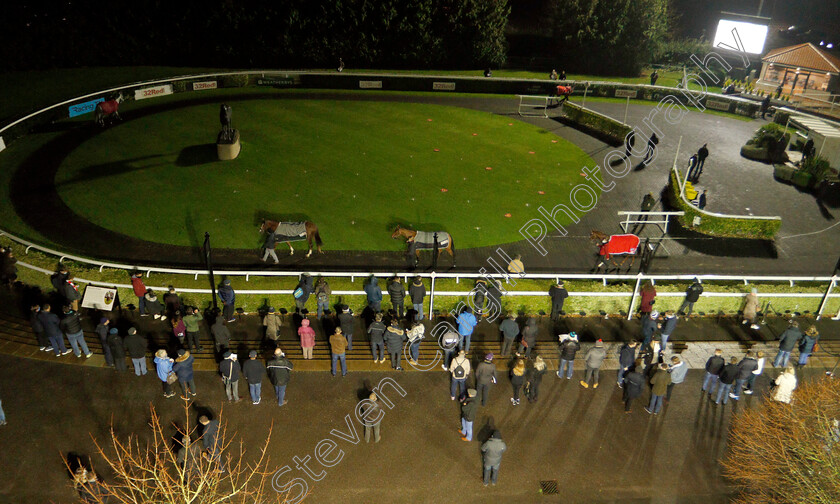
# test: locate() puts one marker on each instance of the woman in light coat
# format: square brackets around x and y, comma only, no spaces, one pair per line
[785,384]
[751,309]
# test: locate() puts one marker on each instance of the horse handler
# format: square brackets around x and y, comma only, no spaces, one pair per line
[268,245]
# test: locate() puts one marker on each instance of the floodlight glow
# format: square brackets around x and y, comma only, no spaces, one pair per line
[750,36]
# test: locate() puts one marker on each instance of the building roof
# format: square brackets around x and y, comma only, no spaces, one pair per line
[804,56]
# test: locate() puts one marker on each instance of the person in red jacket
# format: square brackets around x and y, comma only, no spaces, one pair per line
[139,291]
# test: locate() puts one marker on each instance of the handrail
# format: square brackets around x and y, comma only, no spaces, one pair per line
[260,273]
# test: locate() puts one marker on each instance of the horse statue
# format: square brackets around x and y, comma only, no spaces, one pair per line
[287,232]
[610,245]
[108,110]
[226,118]
[425,240]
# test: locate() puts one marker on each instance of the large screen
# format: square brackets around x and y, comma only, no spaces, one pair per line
[751,36]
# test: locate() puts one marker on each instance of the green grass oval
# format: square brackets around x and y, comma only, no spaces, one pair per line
[354,168]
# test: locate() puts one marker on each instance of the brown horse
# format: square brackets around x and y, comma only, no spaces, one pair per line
[425,240]
[294,231]
[610,245]
[108,110]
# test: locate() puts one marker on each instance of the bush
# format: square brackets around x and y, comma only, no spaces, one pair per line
[818,168]
[787,453]
[604,127]
[726,227]
[238,80]
[771,137]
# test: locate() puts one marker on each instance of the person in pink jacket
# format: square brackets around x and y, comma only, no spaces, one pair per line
[307,338]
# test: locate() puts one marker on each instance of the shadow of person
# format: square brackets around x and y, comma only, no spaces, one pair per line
[365,390]
[486,430]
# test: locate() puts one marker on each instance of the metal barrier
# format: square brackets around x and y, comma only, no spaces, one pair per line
[433,276]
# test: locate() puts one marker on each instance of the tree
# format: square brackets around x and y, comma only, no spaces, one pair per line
[788,453]
[615,37]
[160,471]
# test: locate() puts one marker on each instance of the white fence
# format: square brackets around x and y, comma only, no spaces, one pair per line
[637,280]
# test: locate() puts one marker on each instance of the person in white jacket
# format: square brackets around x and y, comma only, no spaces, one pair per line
[785,384]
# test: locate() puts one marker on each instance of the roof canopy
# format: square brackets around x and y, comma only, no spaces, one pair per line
[804,56]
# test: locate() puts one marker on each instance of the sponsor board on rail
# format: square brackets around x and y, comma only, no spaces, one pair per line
[370,84]
[84,108]
[211,84]
[443,86]
[626,93]
[152,92]
[717,105]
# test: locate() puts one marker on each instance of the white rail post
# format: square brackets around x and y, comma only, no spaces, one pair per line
[626,107]
[633,299]
[825,298]
[432,296]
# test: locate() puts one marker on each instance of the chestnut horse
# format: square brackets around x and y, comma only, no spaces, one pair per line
[610,245]
[301,230]
[424,240]
[108,109]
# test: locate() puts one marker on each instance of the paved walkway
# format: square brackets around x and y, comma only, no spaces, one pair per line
[579,438]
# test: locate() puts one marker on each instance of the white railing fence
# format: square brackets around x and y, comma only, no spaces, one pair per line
[433,293]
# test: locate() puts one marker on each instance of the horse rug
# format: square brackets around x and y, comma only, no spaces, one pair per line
[620,245]
[426,239]
[290,231]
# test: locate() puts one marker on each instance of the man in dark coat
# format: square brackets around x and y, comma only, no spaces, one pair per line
[745,369]
[211,442]
[510,330]
[38,328]
[347,322]
[692,294]
[102,331]
[305,284]
[230,370]
[52,329]
[469,407]
[727,378]
[633,384]
[269,244]
[702,154]
[228,297]
[558,295]
[377,341]
[485,377]
[221,334]
[374,294]
[714,366]
[569,346]
[115,343]
[254,371]
[529,337]
[136,346]
[279,372]
[71,324]
[71,293]
[626,360]
[787,342]
[396,291]
[649,326]
[765,104]
[172,301]
[494,297]
[394,339]
[650,152]
[417,291]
